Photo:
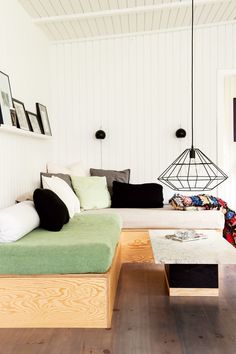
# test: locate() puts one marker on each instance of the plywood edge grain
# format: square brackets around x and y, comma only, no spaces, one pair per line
[68,275]
[193,292]
[112,284]
[190,291]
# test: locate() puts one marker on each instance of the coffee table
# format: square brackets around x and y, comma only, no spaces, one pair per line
[191,268]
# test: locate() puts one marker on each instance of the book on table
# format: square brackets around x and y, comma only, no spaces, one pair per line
[187,236]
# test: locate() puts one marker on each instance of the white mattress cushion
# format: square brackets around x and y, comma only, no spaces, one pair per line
[166,218]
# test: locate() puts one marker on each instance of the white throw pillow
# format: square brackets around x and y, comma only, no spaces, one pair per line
[64,192]
[75,169]
[55,168]
[18,220]
[78,169]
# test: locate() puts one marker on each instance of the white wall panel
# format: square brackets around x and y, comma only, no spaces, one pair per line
[226,144]
[138,89]
[22,160]
[230,145]
[25,58]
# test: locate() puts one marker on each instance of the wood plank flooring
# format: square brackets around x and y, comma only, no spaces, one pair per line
[145,321]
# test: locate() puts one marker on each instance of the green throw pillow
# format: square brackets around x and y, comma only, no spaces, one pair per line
[92,192]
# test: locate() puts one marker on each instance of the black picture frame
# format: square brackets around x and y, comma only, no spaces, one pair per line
[14,118]
[22,117]
[6,101]
[43,118]
[234,117]
[34,121]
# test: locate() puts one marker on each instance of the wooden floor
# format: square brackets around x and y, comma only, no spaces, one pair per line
[145,321]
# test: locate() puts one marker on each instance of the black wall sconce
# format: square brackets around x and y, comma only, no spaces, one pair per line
[180,133]
[100,134]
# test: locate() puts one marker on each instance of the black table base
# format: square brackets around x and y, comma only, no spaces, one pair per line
[192,279]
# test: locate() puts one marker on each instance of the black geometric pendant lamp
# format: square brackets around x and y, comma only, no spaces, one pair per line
[192,170]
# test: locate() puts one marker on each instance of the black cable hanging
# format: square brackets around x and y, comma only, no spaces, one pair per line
[192,170]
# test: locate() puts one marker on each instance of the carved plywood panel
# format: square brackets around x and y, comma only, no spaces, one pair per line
[136,247]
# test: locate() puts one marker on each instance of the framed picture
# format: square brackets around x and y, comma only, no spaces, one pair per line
[13,117]
[234,114]
[43,116]
[33,118]
[6,103]
[22,118]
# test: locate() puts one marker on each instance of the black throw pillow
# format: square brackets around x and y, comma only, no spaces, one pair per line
[148,195]
[52,211]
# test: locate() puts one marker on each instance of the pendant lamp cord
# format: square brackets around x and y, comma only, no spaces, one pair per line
[192,73]
[101,162]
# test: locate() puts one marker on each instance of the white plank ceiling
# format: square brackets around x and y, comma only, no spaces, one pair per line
[83,19]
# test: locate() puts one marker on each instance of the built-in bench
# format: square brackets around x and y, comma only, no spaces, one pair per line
[53,299]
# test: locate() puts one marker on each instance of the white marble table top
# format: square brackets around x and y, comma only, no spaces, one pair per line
[214,250]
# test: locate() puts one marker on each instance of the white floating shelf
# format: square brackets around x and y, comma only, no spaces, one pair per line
[17,131]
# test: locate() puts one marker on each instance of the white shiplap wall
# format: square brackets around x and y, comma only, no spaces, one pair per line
[226,144]
[138,89]
[22,159]
[24,57]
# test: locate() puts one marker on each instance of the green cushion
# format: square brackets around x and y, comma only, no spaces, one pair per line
[92,192]
[86,244]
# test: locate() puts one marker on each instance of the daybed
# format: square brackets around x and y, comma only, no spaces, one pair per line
[81,300]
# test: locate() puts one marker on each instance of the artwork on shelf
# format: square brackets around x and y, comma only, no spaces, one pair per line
[234,114]
[43,117]
[22,118]
[13,117]
[33,118]
[6,103]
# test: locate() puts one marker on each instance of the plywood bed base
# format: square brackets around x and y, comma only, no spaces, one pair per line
[71,300]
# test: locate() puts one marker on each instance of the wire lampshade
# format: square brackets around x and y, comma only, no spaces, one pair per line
[188,173]
[192,170]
